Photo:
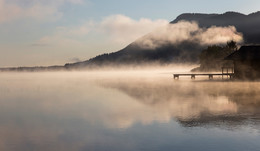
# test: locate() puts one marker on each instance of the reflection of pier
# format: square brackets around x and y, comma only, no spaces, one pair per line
[226,72]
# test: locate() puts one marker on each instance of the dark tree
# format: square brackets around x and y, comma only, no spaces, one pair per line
[232,45]
[212,58]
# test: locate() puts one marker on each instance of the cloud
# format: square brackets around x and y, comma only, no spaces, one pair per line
[58,41]
[33,9]
[219,35]
[64,36]
[123,29]
[116,30]
[189,31]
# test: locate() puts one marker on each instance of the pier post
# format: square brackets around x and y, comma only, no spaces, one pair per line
[222,73]
[193,76]
[210,77]
[176,77]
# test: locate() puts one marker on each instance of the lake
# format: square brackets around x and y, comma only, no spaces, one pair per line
[143,110]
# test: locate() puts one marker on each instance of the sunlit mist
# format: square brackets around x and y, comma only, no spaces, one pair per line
[82,107]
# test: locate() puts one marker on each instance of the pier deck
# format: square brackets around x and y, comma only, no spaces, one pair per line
[210,75]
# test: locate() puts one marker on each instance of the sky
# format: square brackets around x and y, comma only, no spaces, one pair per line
[55,32]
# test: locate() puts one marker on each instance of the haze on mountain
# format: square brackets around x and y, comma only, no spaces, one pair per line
[179,42]
[241,28]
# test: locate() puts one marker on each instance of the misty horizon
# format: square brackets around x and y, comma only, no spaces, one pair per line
[159,35]
[77,110]
[98,75]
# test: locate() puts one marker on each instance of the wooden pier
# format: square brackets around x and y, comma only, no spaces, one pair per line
[226,72]
[210,75]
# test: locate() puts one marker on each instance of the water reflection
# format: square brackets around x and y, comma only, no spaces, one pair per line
[201,103]
[125,111]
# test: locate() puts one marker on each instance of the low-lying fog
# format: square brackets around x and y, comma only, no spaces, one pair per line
[140,109]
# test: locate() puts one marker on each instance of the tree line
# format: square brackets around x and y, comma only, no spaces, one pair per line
[212,58]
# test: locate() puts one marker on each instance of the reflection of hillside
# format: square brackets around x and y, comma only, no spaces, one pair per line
[225,121]
[226,104]
[248,100]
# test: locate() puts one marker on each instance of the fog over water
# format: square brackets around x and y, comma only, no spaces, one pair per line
[142,109]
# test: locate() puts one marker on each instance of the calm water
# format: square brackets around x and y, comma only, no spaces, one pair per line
[126,111]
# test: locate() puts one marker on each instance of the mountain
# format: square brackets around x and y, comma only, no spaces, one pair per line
[135,55]
[246,24]
[186,51]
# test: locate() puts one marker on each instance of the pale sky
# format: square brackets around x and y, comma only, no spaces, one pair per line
[48,32]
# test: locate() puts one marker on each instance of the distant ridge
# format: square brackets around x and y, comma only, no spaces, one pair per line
[246,24]
[185,52]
